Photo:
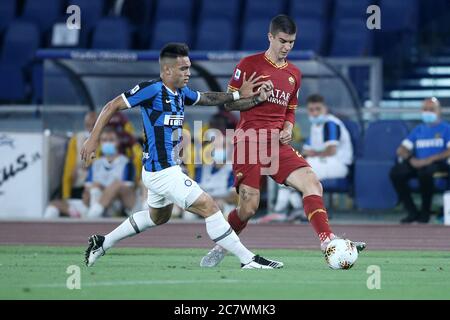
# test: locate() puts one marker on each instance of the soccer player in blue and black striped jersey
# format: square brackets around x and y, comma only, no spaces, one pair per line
[162,104]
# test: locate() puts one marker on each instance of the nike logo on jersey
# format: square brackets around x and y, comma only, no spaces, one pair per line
[167,100]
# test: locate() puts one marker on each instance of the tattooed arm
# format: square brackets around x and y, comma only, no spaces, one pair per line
[248,98]
[219,98]
[248,103]
[215,98]
[244,104]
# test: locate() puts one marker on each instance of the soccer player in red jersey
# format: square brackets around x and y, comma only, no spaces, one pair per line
[254,138]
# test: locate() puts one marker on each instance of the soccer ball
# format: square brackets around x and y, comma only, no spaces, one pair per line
[341,254]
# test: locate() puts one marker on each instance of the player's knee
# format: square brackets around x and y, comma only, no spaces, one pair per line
[313,186]
[205,205]
[247,212]
[160,217]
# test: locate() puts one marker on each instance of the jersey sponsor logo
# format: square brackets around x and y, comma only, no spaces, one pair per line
[167,100]
[237,74]
[135,89]
[279,97]
[430,143]
[173,120]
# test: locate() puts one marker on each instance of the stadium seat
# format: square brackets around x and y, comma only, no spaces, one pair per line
[255,35]
[310,34]
[170,31]
[91,11]
[220,9]
[174,10]
[345,9]
[351,38]
[309,9]
[7,13]
[373,188]
[208,31]
[398,15]
[20,43]
[263,9]
[138,12]
[441,184]
[356,135]
[13,83]
[382,139]
[43,12]
[112,33]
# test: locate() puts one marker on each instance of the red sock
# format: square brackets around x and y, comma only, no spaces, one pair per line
[317,215]
[235,222]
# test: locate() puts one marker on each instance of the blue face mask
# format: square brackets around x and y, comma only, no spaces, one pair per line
[109,149]
[220,156]
[317,120]
[429,117]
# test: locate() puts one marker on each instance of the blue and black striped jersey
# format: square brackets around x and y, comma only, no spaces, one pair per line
[162,113]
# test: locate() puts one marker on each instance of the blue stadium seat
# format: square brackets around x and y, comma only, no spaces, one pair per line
[138,12]
[351,38]
[170,31]
[310,34]
[12,82]
[91,11]
[255,35]
[382,139]
[373,188]
[263,9]
[309,9]
[174,10]
[354,129]
[220,9]
[344,9]
[112,33]
[208,31]
[21,41]
[441,184]
[398,15]
[7,13]
[43,12]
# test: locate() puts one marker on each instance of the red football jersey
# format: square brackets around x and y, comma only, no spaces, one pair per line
[281,104]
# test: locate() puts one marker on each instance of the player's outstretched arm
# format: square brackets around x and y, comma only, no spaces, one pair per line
[90,145]
[263,94]
[246,92]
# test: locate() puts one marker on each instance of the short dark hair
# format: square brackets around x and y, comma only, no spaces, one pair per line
[282,23]
[174,50]
[315,98]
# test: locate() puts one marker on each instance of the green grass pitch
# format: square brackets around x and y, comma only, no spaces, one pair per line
[39,272]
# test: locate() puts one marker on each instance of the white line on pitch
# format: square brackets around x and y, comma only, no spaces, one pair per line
[132,283]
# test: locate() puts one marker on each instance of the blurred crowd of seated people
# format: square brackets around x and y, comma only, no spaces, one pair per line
[109,186]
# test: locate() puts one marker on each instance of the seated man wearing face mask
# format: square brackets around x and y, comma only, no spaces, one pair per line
[110,178]
[423,153]
[329,148]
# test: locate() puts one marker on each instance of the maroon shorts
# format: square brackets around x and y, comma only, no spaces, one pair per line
[257,161]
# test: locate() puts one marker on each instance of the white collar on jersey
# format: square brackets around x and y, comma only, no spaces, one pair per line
[174,93]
